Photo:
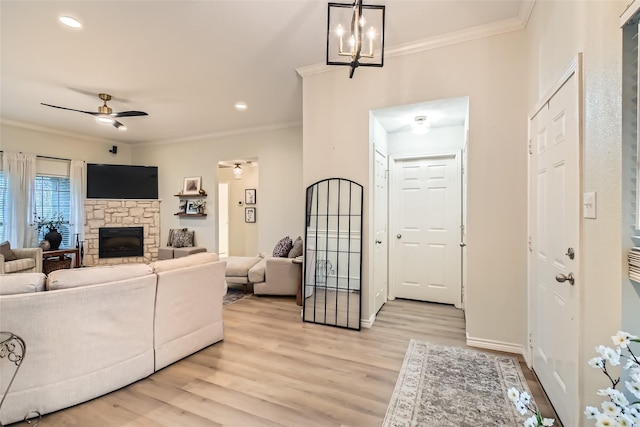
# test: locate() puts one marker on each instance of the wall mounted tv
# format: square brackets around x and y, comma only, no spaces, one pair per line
[121,181]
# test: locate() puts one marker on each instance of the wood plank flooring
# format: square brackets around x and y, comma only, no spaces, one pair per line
[274,370]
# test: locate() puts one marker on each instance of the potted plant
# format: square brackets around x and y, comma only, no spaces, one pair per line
[50,226]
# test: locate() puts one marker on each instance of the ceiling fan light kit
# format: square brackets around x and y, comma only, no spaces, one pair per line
[355,35]
[105,114]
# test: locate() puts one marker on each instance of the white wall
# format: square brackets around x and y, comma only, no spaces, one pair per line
[43,143]
[280,198]
[557,31]
[439,140]
[491,72]
[243,236]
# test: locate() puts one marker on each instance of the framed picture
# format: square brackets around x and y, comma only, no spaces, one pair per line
[250,196]
[191,207]
[192,185]
[249,214]
[182,207]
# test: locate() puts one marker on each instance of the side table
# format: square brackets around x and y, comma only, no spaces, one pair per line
[49,263]
[299,260]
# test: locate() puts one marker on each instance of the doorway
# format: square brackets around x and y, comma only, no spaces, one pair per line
[238,234]
[429,140]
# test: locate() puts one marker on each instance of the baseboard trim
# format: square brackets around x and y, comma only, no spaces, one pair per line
[495,345]
[368,323]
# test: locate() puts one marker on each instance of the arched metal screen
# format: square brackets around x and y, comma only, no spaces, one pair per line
[333,253]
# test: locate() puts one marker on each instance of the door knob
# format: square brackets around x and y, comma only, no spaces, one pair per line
[463,244]
[378,242]
[399,236]
[561,278]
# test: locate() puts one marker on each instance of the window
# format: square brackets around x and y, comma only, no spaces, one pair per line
[53,196]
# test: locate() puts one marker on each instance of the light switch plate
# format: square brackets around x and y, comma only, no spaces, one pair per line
[589,205]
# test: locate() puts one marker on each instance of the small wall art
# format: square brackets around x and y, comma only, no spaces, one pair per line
[250,196]
[249,214]
[192,185]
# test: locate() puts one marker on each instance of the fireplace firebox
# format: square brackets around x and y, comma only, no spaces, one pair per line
[120,242]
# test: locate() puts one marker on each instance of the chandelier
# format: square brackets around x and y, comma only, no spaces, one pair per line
[355,35]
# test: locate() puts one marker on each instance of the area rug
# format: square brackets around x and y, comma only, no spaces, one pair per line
[447,386]
[234,295]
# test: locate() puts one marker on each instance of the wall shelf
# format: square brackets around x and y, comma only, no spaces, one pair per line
[190,215]
[190,196]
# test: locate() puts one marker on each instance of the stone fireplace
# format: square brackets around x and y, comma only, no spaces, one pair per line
[143,215]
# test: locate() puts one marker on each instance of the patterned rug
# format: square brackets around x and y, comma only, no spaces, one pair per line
[234,295]
[447,386]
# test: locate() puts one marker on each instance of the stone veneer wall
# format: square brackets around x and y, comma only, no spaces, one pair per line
[121,213]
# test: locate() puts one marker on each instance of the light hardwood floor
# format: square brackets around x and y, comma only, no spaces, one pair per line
[274,370]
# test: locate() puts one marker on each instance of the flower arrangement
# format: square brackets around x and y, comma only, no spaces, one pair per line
[522,401]
[40,222]
[617,411]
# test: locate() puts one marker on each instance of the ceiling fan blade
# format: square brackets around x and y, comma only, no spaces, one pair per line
[70,109]
[129,114]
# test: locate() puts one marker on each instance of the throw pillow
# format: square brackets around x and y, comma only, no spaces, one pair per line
[296,250]
[5,249]
[183,239]
[283,247]
[171,232]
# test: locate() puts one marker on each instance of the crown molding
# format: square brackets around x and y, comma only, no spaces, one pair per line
[448,39]
[218,135]
[57,132]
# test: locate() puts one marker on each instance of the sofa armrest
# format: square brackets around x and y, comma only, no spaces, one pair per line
[35,253]
[1,264]
[282,277]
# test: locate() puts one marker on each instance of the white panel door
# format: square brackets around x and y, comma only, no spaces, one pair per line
[380,273]
[426,218]
[555,226]
[223,219]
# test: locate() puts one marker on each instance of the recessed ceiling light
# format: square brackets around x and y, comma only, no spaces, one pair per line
[241,106]
[70,21]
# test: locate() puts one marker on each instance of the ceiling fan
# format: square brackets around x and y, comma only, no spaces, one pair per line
[105,114]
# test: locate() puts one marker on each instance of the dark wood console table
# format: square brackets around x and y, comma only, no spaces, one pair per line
[61,253]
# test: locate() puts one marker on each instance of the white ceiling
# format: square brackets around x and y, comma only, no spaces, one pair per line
[187,62]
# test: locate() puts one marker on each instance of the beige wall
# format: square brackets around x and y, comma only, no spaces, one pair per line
[43,143]
[280,198]
[557,31]
[491,72]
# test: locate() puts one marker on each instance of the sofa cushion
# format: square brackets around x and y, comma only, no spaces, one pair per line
[75,277]
[19,265]
[283,247]
[256,273]
[296,250]
[183,238]
[5,250]
[238,266]
[187,261]
[21,283]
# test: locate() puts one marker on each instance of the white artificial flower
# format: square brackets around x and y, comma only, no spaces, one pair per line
[624,421]
[531,422]
[596,362]
[604,420]
[635,374]
[591,412]
[525,397]
[629,364]
[547,422]
[514,395]
[521,407]
[618,398]
[610,409]
[605,391]
[622,339]
[633,387]
[608,354]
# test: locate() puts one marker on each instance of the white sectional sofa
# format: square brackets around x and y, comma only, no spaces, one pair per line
[97,329]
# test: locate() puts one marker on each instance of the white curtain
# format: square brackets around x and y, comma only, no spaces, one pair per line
[77,180]
[19,170]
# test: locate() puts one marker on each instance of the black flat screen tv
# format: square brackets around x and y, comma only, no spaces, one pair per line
[121,181]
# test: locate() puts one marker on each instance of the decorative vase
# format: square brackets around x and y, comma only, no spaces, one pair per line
[54,238]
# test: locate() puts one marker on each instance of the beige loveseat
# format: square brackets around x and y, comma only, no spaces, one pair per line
[98,329]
